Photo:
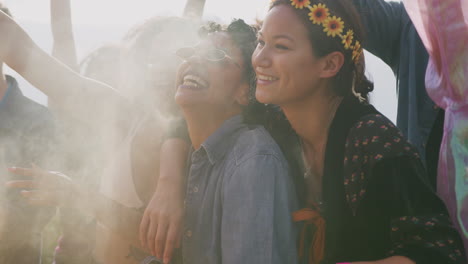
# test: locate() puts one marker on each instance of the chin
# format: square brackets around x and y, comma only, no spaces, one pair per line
[183,100]
[264,97]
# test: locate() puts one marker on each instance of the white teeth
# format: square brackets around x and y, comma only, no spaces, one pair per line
[190,83]
[266,78]
[195,79]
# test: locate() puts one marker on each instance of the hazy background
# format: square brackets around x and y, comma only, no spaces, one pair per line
[97,22]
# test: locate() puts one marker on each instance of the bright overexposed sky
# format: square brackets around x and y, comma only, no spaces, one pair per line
[128,12]
[97,22]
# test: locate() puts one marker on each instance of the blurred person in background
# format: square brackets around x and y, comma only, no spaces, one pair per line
[392,37]
[27,135]
[443,27]
[129,175]
[82,150]
[84,153]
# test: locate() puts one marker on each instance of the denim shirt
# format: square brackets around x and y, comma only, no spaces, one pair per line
[239,200]
[392,37]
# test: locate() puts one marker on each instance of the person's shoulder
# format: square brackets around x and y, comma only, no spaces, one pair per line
[376,124]
[256,142]
[376,135]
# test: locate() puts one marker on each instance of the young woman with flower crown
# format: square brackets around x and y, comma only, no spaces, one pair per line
[368,199]
[367,195]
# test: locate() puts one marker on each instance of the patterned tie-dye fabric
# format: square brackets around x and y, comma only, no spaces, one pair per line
[443,27]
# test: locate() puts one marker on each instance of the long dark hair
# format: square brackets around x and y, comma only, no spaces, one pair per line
[351,79]
[255,113]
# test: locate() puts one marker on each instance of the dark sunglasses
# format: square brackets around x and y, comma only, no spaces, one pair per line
[209,54]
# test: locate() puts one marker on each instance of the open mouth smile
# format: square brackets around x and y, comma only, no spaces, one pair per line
[194,81]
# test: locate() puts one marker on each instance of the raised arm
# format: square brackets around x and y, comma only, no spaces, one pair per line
[82,97]
[194,8]
[62,31]
[383,22]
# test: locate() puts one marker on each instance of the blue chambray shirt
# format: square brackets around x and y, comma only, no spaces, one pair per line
[239,200]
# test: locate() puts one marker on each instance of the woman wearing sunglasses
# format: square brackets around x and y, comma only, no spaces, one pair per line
[368,199]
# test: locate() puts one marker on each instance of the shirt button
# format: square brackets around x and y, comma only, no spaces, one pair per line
[189,233]
[195,189]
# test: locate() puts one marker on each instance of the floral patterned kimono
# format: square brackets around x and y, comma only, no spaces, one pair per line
[376,201]
[443,27]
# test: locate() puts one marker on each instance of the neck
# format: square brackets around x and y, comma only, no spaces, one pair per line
[3,83]
[311,118]
[203,123]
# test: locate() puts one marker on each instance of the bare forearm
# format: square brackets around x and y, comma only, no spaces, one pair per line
[82,97]
[194,8]
[173,162]
[62,31]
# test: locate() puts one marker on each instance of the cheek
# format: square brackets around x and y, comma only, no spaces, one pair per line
[297,77]
[224,84]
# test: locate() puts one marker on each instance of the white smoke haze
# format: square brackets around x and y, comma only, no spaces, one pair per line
[109,139]
[99,141]
[93,29]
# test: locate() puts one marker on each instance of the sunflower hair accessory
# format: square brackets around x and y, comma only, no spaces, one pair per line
[332,25]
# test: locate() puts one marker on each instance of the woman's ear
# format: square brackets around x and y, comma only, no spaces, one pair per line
[332,64]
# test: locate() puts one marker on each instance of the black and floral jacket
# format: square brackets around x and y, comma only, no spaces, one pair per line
[377,201]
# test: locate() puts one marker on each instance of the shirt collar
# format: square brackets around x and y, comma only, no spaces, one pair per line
[218,143]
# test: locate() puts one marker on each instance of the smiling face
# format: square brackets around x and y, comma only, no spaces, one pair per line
[286,67]
[219,87]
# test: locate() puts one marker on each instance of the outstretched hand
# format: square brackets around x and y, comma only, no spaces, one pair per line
[45,188]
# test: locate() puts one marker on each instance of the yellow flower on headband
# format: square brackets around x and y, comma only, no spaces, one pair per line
[348,39]
[319,14]
[300,4]
[333,26]
[357,51]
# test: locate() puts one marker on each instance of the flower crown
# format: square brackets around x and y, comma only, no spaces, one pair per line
[334,26]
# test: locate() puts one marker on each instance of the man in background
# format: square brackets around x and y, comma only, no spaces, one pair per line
[26,137]
[392,37]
